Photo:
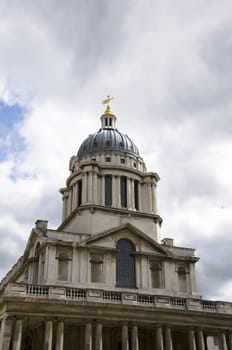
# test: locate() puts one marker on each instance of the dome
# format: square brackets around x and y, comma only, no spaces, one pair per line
[108,140]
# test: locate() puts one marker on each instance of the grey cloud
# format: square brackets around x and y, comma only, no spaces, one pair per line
[214,269]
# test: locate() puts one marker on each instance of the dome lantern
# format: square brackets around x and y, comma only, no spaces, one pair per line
[108,119]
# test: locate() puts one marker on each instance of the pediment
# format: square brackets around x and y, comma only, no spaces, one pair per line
[142,242]
[19,269]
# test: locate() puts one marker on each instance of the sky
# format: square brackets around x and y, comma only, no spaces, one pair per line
[168,65]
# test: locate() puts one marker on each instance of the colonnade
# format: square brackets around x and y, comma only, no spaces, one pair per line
[11,334]
[93,192]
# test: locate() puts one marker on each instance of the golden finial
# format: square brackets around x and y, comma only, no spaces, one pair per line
[107,102]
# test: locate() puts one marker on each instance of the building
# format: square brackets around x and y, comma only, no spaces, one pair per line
[105,280]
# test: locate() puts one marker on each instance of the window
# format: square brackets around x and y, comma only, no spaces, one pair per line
[79,199]
[96,261]
[110,122]
[125,264]
[63,264]
[123,161]
[135,165]
[136,195]
[156,274]
[182,279]
[108,190]
[108,159]
[123,186]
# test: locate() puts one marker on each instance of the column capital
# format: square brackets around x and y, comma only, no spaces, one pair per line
[159,325]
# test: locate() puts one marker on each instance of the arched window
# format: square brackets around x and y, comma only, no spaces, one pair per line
[63,264]
[182,279]
[125,264]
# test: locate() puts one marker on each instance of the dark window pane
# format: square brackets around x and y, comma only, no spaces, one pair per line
[108,190]
[79,193]
[125,264]
[136,194]
[123,192]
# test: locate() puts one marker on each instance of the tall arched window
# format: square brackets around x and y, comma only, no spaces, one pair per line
[125,264]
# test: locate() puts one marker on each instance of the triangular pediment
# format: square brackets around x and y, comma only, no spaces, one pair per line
[141,240]
[18,270]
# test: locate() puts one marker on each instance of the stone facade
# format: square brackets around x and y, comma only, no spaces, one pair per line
[104,279]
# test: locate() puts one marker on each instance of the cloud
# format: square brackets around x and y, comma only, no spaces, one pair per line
[168,65]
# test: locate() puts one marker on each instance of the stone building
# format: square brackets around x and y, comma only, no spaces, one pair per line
[105,280]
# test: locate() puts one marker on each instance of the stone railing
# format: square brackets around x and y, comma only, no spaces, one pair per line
[116,297]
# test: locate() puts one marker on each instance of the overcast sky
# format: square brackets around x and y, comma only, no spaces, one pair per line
[168,64]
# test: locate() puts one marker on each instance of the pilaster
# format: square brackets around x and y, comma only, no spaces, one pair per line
[159,338]
[88,336]
[125,342]
[17,335]
[48,335]
[98,337]
[60,335]
[6,333]
[192,340]
[134,338]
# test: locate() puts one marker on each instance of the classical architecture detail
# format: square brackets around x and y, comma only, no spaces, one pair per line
[104,280]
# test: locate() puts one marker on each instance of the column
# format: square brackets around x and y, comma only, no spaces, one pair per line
[48,336]
[200,340]
[17,335]
[153,198]
[140,196]
[230,341]
[74,197]
[222,341]
[5,334]
[159,338]
[95,188]
[134,338]
[103,190]
[88,336]
[149,190]
[70,195]
[125,343]
[129,202]
[192,341]
[132,195]
[65,205]
[84,188]
[168,338]
[90,188]
[114,191]
[98,344]
[118,192]
[60,335]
